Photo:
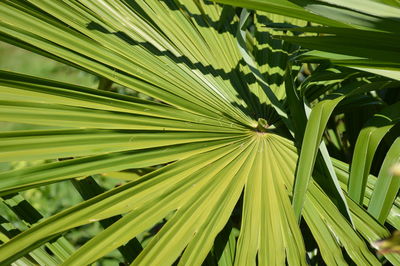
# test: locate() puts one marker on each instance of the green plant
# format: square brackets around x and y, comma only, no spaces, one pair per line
[248,140]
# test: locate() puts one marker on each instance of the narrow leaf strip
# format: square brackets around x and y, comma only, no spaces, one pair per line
[387,186]
[366,145]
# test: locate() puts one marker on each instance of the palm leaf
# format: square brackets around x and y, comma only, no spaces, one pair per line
[367,143]
[386,187]
[220,130]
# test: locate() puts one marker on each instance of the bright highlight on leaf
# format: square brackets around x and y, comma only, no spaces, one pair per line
[389,245]
[395,169]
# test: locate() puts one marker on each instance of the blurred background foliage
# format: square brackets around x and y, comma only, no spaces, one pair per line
[53,198]
[16,59]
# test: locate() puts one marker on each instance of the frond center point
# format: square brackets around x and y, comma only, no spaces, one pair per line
[262,126]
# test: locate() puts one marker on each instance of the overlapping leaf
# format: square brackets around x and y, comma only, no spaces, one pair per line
[214,130]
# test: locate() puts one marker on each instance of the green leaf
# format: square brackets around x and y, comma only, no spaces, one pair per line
[387,185]
[171,180]
[344,41]
[366,14]
[29,177]
[367,142]
[88,188]
[53,144]
[312,138]
[282,7]
[217,137]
